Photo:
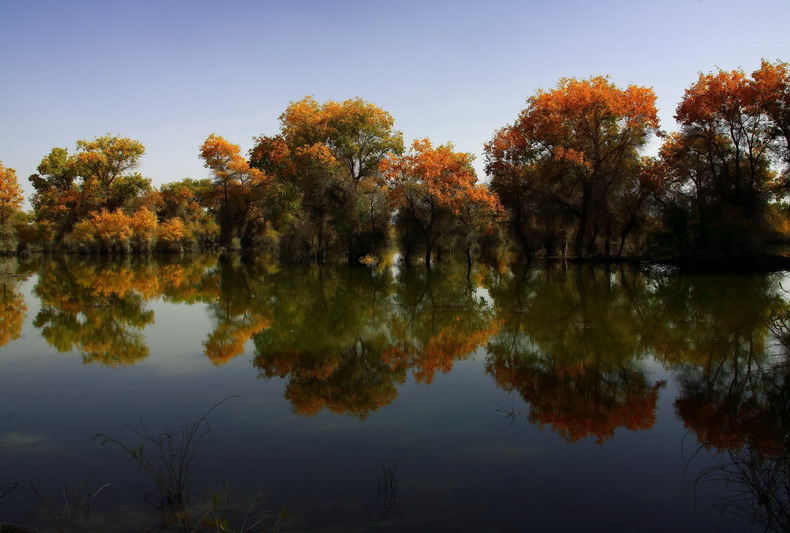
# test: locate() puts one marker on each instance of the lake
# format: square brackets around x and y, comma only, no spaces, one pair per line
[332,398]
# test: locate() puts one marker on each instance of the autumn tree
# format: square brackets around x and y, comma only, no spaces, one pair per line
[69,188]
[238,193]
[772,85]
[330,153]
[183,207]
[722,165]
[435,191]
[476,210]
[571,154]
[301,177]
[10,204]
[58,203]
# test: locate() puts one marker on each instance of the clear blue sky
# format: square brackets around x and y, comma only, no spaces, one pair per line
[169,73]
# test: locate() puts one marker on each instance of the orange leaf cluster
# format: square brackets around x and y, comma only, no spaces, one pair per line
[226,162]
[173,230]
[10,193]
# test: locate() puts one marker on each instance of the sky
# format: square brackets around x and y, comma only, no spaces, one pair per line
[170,73]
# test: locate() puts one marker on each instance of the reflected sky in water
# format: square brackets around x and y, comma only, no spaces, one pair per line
[557,398]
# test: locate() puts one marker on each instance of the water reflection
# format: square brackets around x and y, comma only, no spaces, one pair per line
[572,341]
[439,317]
[91,309]
[329,336]
[728,345]
[345,338]
[238,310]
[586,348]
[572,344]
[13,308]
[739,404]
[99,307]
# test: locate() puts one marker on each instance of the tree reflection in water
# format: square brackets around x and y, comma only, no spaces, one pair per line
[13,308]
[571,344]
[576,344]
[345,338]
[735,394]
[98,307]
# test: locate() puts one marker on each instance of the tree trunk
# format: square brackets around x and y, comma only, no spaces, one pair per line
[622,244]
[320,253]
[350,257]
[428,250]
[549,246]
[581,232]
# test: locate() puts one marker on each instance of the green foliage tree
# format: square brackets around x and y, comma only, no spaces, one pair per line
[72,189]
[330,154]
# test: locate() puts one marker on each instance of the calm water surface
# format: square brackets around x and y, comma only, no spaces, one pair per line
[549,399]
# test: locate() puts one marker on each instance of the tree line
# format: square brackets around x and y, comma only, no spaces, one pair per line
[568,177]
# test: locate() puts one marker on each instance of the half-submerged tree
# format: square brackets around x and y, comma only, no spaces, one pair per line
[436,193]
[721,168]
[184,217]
[330,153]
[238,195]
[87,186]
[569,159]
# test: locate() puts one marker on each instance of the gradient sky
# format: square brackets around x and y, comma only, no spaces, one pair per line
[169,73]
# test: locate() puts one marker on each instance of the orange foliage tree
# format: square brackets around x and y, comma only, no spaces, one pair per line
[186,202]
[436,191]
[10,194]
[772,85]
[570,155]
[117,231]
[173,231]
[238,190]
[10,204]
[70,188]
[721,165]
